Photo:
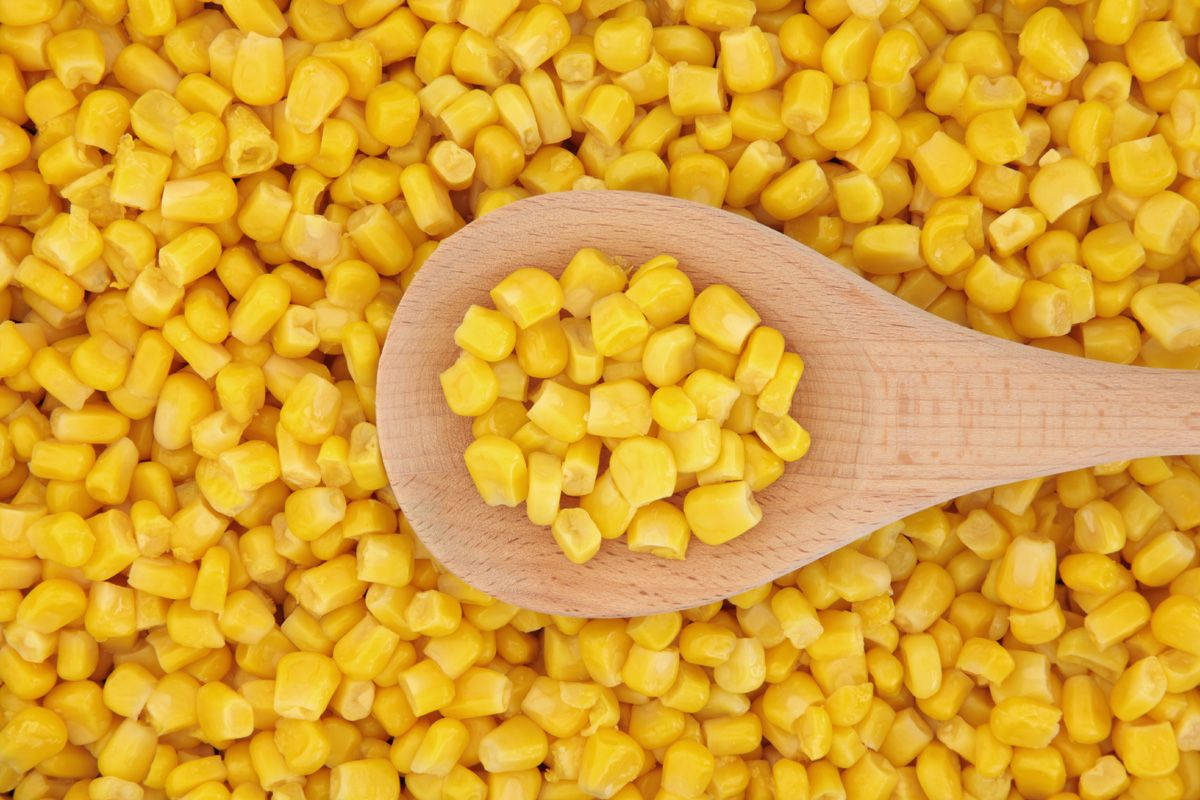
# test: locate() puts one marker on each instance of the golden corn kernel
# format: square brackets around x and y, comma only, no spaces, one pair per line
[469,385]
[499,470]
[659,528]
[721,511]
[643,470]
[620,409]
[561,412]
[1169,312]
[576,534]
[1052,45]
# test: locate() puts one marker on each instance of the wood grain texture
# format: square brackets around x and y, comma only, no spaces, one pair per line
[906,410]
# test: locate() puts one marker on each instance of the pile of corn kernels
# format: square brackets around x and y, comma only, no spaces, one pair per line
[720,413]
[207,216]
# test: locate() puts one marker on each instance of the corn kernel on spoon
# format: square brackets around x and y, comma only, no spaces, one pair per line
[906,410]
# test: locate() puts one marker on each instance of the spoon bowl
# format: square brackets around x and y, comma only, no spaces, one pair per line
[905,409]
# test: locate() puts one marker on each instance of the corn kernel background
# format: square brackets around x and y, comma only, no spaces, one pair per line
[208,213]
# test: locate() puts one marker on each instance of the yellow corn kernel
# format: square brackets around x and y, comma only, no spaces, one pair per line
[486,334]
[368,778]
[1057,188]
[994,137]
[611,759]
[1142,167]
[1139,688]
[807,95]
[304,684]
[1154,49]
[241,389]
[310,411]
[699,177]
[515,744]
[607,507]
[588,276]
[1146,749]
[712,394]
[1170,312]
[608,113]
[223,714]
[1099,528]
[316,88]
[795,192]
[313,511]
[944,165]
[664,295]
[1024,722]
[580,466]
[576,534]
[1162,558]
[64,461]
[695,90]
[617,324]
[545,488]
[888,249]
[428,200]
[1052,46]
[849,118]
[542,348]
[530,438]
[785,437]
[528,296]
[48,283]
[31,736]
[687,768]
[659,528]
[1042,310]
[721,316]
[498,468]
[721,511]
[1165,222]
[643,470]
[619,409]
[560,411]
[1117,618]
[859,198]
[504,419]
[63,538]
[672,409]
[1086,714]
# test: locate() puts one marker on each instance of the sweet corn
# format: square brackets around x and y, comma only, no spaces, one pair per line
[721,511]
[499,470]
[1168,312]
[395,123]
[576,534]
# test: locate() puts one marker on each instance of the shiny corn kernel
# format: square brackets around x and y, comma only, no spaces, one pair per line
[721,511]
[469,385]
[1052,45]
[720,315]
[659,528]
[1170,312]
[576,534]
[617,325]
[669,355]
[499,470]
[664,294]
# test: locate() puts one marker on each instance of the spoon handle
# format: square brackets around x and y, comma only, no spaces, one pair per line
[997,411]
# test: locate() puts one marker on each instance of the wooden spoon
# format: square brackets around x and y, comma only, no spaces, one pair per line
[906,410]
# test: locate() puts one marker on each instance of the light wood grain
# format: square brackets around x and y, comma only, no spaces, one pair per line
[906,410]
